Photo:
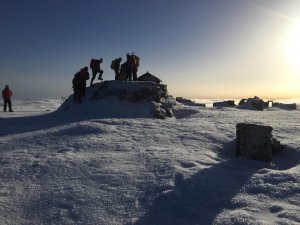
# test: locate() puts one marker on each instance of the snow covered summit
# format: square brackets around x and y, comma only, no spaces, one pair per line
[67,167]
[122,99]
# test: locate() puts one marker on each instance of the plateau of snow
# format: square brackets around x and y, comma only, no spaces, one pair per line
[86,167]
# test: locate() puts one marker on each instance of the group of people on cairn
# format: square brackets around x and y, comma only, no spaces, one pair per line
[126,71]
[6,95]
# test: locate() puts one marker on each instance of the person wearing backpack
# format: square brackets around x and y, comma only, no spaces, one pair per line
[95,67]
[128,67]
[135,61]
[115,65]
[79,84]
[6,95]
[84,76]
[123,71]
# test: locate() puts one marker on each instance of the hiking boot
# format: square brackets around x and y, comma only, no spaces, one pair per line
[11,110]
[100,78]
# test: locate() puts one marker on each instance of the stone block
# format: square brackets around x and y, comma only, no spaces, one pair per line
[254,141]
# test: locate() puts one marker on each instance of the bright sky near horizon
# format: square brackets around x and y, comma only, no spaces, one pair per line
[199,48]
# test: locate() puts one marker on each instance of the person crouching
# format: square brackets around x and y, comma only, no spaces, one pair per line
[79,84]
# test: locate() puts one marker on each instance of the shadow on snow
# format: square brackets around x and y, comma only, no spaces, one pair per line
[200,198]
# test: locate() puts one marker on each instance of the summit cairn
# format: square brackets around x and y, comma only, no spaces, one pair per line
[123,99]
[137,92]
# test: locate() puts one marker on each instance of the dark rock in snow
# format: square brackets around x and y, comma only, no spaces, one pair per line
[229,103]
[188,102]
[254,141]
[253,103]
[276,146]
[292,106]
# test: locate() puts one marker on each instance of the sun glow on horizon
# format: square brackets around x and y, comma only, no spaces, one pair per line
[293,46]
[292,51]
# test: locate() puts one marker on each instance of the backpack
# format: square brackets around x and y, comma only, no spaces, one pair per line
[113,64]
[6,93]
[76,80]
[135,61]
[94,63]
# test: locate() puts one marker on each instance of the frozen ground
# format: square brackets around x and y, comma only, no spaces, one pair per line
[87,168]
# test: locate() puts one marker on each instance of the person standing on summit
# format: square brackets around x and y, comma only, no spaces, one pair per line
[115,65]
[133,62]
[6,95]
[128,67]
[95,67]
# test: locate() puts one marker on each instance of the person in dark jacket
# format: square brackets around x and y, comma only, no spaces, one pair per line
[128,67]
[79,83]
[95,67]
[115,65]
[6,95]
[85,76]
[123,71]
[135,63]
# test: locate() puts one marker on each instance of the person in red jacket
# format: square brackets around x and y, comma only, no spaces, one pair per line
[6,95]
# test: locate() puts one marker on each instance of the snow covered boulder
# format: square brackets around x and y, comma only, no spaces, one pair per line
[253,103]
[254,141]
[291,106]
[123,99]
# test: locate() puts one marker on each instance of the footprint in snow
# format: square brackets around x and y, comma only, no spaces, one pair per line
[276,208]
[188,164]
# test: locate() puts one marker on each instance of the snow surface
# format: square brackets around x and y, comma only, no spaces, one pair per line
[81,166]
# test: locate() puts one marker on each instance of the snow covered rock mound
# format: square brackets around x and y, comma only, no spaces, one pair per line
[253,104]
[188,102]
[122,99]
[291,106]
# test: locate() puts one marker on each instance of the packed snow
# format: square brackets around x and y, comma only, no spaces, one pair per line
[82,166]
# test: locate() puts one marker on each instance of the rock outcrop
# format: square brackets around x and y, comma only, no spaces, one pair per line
[253,103]
[291,106]
[125,99]
[188,102]
[228,103]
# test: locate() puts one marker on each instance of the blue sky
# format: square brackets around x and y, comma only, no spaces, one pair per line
[199,48]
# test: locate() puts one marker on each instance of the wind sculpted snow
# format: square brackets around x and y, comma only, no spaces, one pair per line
[91,169]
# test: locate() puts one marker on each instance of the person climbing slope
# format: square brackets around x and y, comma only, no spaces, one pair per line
[95,67]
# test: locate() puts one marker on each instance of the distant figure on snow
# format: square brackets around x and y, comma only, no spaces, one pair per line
[115,65]
[95,67]
[6,95]
[79,83]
